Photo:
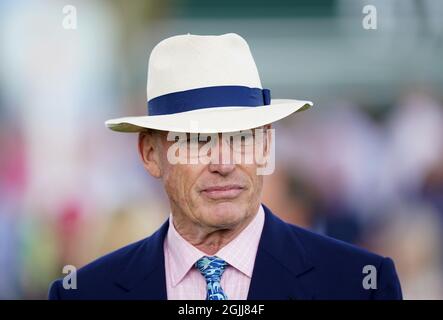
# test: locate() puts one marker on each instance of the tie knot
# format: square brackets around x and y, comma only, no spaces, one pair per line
[211,268]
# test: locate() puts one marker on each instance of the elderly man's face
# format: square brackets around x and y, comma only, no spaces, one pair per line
[214,195]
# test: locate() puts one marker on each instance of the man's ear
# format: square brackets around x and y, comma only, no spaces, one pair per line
[149,150]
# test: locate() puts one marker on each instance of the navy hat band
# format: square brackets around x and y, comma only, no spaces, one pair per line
[208,97]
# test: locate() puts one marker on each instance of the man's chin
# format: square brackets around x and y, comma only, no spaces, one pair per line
[224,214]
[224,206]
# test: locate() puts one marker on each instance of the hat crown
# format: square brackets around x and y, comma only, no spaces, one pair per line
[188,62]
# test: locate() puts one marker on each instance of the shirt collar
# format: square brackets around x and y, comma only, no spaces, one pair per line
[239,253]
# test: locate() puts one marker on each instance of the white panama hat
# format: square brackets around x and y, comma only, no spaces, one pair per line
[207,84]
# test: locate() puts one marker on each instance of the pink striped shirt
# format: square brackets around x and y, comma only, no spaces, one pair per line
[184,281]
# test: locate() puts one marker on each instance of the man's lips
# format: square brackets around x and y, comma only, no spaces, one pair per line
[223,192]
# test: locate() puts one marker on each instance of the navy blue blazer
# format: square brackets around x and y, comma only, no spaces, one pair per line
[291,263]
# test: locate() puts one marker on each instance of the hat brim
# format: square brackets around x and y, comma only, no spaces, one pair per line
[212,120]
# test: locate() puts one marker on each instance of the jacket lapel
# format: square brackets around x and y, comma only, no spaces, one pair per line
[281,261]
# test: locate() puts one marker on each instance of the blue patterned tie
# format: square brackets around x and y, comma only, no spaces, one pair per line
[212,269]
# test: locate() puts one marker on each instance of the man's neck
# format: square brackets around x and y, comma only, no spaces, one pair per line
[209,240]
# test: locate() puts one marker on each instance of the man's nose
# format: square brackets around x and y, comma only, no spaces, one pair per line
[223,164]
[222,169]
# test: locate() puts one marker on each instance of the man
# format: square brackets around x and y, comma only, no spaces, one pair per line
[220,242]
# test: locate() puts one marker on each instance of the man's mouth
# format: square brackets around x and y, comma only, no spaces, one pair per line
[223,192]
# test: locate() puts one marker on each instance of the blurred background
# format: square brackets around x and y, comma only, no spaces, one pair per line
[365,165]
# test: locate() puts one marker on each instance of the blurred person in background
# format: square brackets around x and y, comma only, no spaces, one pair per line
[411,234]
[220,242]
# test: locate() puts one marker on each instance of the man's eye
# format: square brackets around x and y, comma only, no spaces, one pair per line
[180,139]
[188,138]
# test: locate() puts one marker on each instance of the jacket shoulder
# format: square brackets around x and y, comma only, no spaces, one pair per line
[318,243]
[96,275]
[342,269]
